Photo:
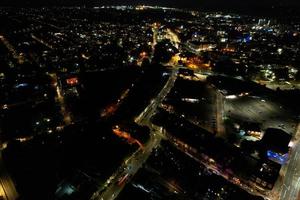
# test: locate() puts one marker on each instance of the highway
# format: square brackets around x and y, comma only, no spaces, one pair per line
[7,188]
[130,167]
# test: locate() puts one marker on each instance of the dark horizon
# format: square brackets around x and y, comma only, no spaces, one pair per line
[232,4]
[262,7]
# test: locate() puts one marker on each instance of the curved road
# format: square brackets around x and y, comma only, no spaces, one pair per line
[7,189]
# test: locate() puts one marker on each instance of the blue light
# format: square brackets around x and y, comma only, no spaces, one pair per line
[247,38]
[21,85]
[282,159]
[242,133]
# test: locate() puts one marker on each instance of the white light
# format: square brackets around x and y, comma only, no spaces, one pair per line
[291,144]
[231,97]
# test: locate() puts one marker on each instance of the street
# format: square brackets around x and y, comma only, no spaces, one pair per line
[7,189]
[291,180]
[220,129]
[61,100]
[135,162]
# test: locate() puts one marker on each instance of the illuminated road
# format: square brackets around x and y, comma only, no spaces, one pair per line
[12,50]
[210,164]
[172,37]
[154,42]
[282,85]
[151,108]
[7,188]
[112,108]
[41,41]
[61,100]
[130,167]
[291,180]
[219,114]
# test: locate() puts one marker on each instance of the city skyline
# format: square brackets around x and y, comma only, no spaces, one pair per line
[213,4]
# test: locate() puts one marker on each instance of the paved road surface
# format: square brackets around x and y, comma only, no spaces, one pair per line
[291,180]
[131,167]
[7,187]
[219,114]
[135,162]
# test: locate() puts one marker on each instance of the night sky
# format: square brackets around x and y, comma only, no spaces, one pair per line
[170,3]
[260,7]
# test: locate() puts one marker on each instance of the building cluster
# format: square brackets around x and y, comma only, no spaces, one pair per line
[64,71]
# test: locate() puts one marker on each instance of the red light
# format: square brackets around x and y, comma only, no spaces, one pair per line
[72,81]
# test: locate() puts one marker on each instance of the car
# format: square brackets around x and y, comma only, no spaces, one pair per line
[4,107]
